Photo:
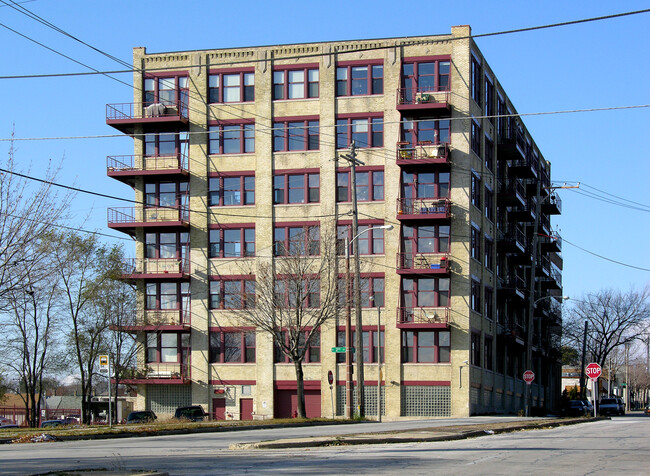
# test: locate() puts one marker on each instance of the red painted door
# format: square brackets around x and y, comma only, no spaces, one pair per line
[246,408]
[286,403]
[218,408]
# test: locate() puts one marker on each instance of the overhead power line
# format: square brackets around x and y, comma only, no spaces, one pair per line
[372,48]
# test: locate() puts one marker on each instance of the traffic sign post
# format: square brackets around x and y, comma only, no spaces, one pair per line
[529,376]
[593,371]
[341,350]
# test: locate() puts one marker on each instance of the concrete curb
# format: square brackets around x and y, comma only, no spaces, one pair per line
[408,436]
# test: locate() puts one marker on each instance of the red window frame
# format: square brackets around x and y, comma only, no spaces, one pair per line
[219,337]
[441,242]
[217,190]
[283,186]
[152,95]
[369,340]
[370,243]
[410,347]
[374,82]
[414,131]
[218,299]
[441,296]
[310,290]
[152,143]
[412,181]
[295,134]
[217,236]
[312,354]
[219,132]
[303,235]
[182,295]
[372,138]
[372,289]
[153,246]
[374,184]
[282,88]
[182,346]
[246,91]
[412,78]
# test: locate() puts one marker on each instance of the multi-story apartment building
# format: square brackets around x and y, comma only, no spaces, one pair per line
[235,152]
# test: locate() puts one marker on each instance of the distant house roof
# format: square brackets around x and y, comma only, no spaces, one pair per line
[67,401]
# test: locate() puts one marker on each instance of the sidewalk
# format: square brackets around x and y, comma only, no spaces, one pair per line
[442,433]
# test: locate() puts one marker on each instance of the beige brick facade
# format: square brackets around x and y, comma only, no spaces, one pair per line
[462,384]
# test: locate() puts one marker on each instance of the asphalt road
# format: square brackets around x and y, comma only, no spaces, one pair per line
[617,446]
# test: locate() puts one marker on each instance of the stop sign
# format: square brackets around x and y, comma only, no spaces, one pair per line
[529,376]
[593,371]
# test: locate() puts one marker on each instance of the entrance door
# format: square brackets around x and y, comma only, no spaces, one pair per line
[218,408]
[246,408]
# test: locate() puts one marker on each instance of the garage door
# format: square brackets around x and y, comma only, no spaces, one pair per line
[286,403]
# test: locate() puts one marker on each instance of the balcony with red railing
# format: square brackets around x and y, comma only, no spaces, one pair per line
[409,99]
[158,320]
[156,268]
[159,374]
[422,317]
[423,209]
[127,219]
[425,153]
[126,167]
[422,263]
[125,116]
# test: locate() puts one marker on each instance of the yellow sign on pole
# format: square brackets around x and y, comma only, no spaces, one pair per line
[103,363]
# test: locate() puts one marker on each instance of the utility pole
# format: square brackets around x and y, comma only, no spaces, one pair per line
[352,159]
[582,367]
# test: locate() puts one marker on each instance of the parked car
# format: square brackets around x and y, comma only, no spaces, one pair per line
[646,410]
[576,408]
[621,405]
[610,406]
[144,416]
[191,413]
[589,407]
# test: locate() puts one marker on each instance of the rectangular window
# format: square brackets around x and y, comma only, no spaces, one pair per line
[232,242]
[359,80]
[231,87]
[369,242]
[295,135]
[295,83]
[475,191]
[296,188]
[166,194]
[425,131]
[476,138]
[365,132]
[312,352]
[424,239]
[372,290]
[475,351]
[170,92]
[296,240]
[489,100]
[475,243]
[165,347]
[370,186]
[475,296]
[297,292]
[489,154]
[231,139]
[488,347]
[425,185]
[369,340]
[489,204]
[476,80]
[232,293]
[165,144]
[232,347]
[165,295]
[489,302]
[234,190]
[425,292]
[426,346]
[166,245]
[488,253]
[423,76]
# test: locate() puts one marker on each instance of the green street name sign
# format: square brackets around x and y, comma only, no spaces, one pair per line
[340,350]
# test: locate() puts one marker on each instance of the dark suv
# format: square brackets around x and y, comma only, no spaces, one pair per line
[192,413]
[144,416]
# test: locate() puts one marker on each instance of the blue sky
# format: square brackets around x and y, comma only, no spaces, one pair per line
[603,64]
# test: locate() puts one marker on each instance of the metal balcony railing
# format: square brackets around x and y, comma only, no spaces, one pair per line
[422,315]
[164,317]
[130,111]
[423,261]
[422,96]
[432,207]
[139,163]
[132,215]
[156,266]
[425,152]
[157,371]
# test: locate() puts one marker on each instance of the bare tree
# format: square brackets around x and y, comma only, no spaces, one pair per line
[614,319]
[29,331]
[27,212]
[293,296]
[85,266]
